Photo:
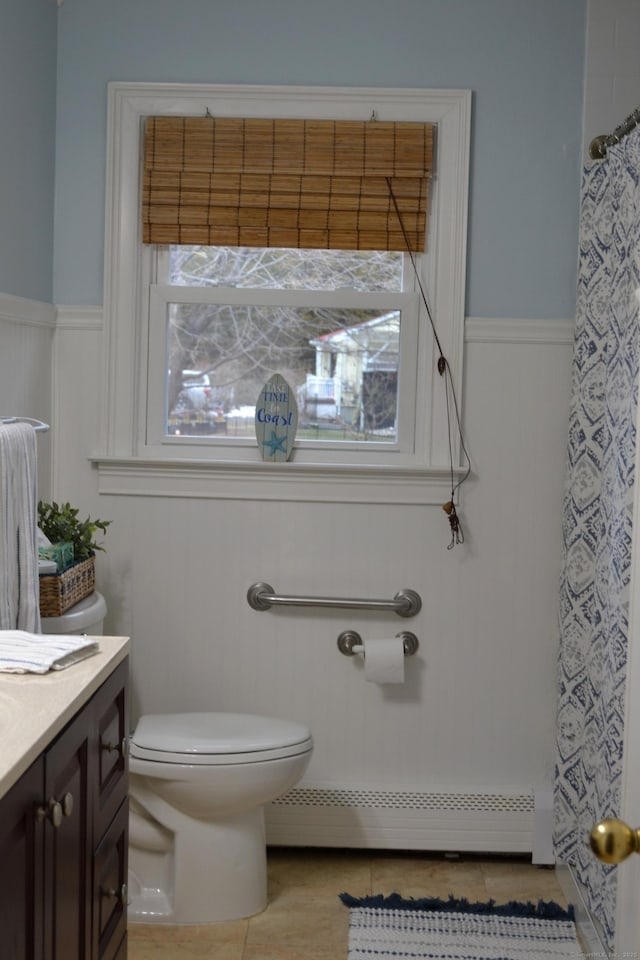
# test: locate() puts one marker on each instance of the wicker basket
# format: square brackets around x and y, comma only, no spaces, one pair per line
[59,591]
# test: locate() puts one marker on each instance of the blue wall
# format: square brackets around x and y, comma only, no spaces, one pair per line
[27,121]
[523,60]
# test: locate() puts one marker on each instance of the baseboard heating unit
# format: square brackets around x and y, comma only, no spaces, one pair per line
[383,818]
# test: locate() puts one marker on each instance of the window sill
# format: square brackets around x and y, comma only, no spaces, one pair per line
[290,481]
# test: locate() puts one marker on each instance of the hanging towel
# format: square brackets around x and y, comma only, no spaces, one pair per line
[23,652]
[19,586]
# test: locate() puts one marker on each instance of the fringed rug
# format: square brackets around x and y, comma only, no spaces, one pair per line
[390,927]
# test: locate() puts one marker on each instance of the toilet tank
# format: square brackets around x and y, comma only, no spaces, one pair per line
[87,616]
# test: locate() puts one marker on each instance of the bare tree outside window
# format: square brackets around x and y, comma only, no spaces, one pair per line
[342,363]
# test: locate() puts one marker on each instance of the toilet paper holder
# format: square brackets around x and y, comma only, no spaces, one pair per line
[350,643]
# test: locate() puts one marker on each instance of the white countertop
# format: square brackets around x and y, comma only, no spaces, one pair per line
[35,707]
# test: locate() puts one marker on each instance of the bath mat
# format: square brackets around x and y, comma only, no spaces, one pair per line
[433,929]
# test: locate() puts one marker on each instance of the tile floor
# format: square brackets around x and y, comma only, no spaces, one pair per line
[305,920]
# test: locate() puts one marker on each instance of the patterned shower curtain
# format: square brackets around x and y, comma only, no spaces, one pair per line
[597,522]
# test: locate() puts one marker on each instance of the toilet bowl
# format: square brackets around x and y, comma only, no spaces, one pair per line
[198,785]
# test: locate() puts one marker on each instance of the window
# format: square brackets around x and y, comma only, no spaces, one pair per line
[194,329]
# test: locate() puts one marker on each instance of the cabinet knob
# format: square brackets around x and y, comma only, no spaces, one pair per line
[120,748]
[121,895]
[52,812]
[56,810]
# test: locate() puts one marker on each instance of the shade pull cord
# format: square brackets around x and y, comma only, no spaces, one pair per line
[457,533]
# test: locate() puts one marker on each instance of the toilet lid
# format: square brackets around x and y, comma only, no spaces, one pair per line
[199,738]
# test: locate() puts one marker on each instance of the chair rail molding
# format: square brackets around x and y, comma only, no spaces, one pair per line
[518,331]
[79,318]
[21,310]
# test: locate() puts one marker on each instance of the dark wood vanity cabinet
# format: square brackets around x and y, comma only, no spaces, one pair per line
[63,840]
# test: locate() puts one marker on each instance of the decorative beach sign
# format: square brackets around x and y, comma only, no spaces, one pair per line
[276,419]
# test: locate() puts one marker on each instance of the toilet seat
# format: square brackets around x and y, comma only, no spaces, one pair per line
[217,738]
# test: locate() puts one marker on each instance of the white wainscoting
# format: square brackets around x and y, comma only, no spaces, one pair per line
[476,715]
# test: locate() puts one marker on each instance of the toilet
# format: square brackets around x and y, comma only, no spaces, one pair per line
[87,616]
[198,785]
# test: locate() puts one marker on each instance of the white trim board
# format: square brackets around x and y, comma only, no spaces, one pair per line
[28,312]
[522,331]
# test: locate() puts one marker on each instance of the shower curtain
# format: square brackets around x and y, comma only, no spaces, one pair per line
[597,521]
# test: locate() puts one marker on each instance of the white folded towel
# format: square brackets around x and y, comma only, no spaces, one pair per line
[22,652]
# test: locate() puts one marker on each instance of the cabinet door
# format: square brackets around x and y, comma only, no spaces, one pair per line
[121,952]
[67,844]
[110,888]
[110,782]
[21,877]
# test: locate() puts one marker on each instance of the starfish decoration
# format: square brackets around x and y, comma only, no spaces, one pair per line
[275,444]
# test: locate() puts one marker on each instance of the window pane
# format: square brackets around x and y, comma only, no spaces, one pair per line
[283,269]
[341,363]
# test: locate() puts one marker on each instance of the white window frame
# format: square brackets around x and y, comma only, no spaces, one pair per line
[418,472]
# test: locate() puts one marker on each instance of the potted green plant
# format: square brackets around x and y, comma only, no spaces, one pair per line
[60,524]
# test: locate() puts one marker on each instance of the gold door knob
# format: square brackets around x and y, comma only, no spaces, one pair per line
[613,840]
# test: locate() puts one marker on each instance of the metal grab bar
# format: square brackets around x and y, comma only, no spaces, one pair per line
[406,603]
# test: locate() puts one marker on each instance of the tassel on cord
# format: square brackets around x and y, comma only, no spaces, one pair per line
[457,533]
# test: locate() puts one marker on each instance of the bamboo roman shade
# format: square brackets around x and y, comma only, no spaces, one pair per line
[286,183]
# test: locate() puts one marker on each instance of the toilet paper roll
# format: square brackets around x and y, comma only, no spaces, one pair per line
[384,660]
